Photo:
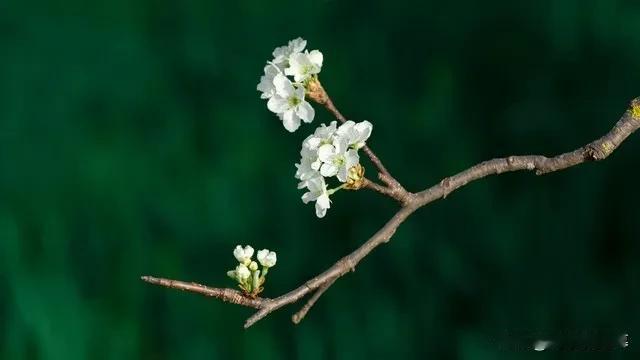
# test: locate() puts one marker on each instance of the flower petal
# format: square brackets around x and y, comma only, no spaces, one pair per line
[315,57]
[277,104]
[283,86]
[328,170]
[326,152]
[305,112]
[290,120]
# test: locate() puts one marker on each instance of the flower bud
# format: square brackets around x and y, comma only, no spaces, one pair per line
[355,177]
[253,266]
[243,255]
[242,272]
[256,280]
[315,91]
[267,258]
[232,274]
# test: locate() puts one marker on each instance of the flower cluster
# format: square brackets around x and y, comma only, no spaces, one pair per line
[286,98]
[289,79]
[250,279]
[331,152]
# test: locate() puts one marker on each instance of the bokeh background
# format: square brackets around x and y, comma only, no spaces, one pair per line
[133,141]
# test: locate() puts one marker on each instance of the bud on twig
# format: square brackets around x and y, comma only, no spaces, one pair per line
[315,91]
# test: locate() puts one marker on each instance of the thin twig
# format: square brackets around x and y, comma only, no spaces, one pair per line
[297,317]
[385,175]
[403,197]
[228,295]
[594,151]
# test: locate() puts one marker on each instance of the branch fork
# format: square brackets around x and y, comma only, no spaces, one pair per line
[597,150]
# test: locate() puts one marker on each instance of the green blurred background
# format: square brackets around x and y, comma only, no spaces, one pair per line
[133,141]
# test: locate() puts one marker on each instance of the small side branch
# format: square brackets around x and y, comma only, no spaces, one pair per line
[385,175]
[399,194]
[297,317]
[228,295]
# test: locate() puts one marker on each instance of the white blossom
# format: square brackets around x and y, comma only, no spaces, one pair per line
[355,134]
[243,255]
[318,193]
[288,101]
[322,135]
[267,258]
[282,54]
[304,65]
[336,161]
[331,151]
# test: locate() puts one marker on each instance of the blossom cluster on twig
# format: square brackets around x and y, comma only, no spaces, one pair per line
[248,275]
[330,151]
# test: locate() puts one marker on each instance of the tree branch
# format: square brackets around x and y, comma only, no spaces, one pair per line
[597,150]
[228,295]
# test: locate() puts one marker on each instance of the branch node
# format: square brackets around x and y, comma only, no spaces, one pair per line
[445,183]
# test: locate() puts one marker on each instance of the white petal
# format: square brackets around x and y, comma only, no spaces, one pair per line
[283,85]
[309,196]
[238,253]
[364,129]
[342,174]
[271,259]
[345,128]
[341,144]
[262,254]
[313,143]
[290,120]
[320,211]
[328,170]
[316,58]
[277,104]
[326,152]
[305,111]
[248,251]
[324,201]
[316,165]
[352,158]
[297,45]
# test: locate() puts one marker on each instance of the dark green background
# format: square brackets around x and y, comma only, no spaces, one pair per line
[133,141]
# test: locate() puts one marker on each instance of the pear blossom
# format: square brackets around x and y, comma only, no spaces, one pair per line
[356,135]
[243,255]
[286,98]
[267,258]
[331,151]
[336,161]
[288,101]
[318,192]
[322,135]
[304,65]
[282,54]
